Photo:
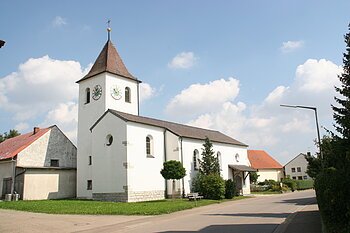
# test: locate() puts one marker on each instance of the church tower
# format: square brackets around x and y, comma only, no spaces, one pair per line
[108,85]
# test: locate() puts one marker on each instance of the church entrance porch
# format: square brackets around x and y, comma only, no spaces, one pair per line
[239,176]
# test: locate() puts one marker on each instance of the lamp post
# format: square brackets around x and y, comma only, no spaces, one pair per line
[317,128]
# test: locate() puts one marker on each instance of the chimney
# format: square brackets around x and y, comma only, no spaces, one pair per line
[36,129]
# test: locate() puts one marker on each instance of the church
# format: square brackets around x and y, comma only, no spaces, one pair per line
[120,153]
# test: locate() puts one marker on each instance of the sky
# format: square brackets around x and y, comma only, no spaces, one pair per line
[222,65]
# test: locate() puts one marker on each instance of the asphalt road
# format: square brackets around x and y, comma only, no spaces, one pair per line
[262,214]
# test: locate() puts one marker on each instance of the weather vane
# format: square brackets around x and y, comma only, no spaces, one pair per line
[109,29]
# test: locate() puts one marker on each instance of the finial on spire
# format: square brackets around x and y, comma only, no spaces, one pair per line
[109,29]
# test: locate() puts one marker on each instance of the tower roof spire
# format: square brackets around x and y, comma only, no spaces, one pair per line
[109,61]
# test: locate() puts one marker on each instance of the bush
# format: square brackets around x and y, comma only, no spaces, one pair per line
[211,186]
[304,184]
[230,189]
[292,185]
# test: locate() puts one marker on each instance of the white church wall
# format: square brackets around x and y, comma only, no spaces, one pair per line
[114,81]
[89,113]
[109,181]
[144,179]
[172,153]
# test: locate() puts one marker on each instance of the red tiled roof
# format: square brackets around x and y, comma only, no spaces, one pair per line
[11,147]
[259,159]
[109,61]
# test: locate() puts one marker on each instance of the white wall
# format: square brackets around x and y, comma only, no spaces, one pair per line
[270,174]
[52,145]
[40,184]
[228,153]
[108,162]
[144,172]
[91,112]
[298,161]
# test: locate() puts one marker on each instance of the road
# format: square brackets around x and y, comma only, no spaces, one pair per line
[262,214]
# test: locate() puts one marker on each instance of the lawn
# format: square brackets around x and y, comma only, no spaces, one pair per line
[107,208]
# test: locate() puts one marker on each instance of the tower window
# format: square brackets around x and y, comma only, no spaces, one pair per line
[195,160]
[89,185]
[90,160]
[127,95]
[87,95]
[149,146]
[109,140]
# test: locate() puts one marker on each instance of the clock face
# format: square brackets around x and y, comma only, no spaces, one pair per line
[116,92]
[96,92]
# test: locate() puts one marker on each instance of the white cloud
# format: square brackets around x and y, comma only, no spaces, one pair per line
[290,46]
[22,126]
[58,21]
[146,91]
[280,131]
[42,87]
[202,98]
[183,60]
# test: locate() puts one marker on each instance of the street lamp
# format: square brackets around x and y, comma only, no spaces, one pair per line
[315,110]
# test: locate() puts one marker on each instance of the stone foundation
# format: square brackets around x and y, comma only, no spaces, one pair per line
[116,197]
[146,195]
[130,196]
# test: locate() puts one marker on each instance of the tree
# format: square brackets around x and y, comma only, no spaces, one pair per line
[11,134]
[209,164]
[254,177]
[173,170]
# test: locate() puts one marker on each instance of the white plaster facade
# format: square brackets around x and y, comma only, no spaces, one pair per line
[121,169]
[296,168]
[270,174]
[35,179]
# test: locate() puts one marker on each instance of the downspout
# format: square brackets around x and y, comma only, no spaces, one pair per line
[182,161]
[165,159]
[14,163]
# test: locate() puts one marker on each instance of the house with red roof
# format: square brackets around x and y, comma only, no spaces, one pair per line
[267,167]
[38,165]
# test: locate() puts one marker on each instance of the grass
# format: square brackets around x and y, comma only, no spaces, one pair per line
[107,208]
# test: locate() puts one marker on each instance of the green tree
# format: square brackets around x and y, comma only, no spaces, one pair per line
[12,133]
[332,172]
[209,164]
[173,170]
[254,177]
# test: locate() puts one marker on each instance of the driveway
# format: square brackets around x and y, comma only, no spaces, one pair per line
[262,214]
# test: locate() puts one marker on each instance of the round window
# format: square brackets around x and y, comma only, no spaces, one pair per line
[109,140]
[237,157]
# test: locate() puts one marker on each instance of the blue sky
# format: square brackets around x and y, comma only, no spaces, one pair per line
[223,65]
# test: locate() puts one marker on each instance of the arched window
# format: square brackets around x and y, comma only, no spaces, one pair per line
[149,146]
[237,157]
[109,140]
[87,95]
[219,160]
[195,160]
[127,95]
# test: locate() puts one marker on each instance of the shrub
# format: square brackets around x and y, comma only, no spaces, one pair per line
[304,184]
[230,189]
[292,185]
[211,186]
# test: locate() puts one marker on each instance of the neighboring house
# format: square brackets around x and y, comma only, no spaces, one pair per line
[296,168]
[267,167]
[43,163]
[120,154]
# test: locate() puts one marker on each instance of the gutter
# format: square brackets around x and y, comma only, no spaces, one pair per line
[14,163]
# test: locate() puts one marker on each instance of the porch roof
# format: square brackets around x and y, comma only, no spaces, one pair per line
[242,168]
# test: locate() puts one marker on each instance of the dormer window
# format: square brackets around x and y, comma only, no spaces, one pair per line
[127,94]
[87,95]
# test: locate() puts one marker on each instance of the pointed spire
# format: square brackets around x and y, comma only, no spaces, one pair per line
[109,61]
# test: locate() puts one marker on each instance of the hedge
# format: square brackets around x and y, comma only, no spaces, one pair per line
[305,184]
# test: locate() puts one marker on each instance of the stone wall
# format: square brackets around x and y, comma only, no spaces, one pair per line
[130,196]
